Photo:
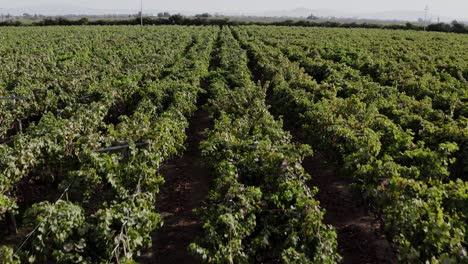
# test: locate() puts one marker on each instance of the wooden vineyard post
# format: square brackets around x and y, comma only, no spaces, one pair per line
[9,215]
[20,125]
[11,222]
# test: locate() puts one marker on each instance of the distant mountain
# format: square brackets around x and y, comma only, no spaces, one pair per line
[57,10]
[400,15]
[297,12]
[405,15]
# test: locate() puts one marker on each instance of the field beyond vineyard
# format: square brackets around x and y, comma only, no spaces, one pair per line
[248,144]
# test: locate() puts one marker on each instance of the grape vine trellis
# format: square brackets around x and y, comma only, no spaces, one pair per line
[92,113]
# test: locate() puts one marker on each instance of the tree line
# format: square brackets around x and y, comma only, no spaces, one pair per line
[206,20]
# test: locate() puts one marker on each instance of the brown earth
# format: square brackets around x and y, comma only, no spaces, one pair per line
[187,184]
[360,238]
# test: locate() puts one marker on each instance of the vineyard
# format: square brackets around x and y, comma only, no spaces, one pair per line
[248,144]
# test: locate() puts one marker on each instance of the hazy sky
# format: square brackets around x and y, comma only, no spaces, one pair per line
[452,8]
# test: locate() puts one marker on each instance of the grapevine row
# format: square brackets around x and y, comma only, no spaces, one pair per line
[109,211]
[408,182]
[260,208]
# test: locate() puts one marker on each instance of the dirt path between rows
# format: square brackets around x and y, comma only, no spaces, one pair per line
[360,239]
[187,184]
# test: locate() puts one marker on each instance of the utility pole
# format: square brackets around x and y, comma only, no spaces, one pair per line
[141,12]
[425,17]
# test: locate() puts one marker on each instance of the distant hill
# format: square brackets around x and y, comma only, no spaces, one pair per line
[402,15]
[406,15]
[57,10]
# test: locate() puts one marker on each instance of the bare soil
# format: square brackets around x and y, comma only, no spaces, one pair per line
[360,238]
[187,184]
